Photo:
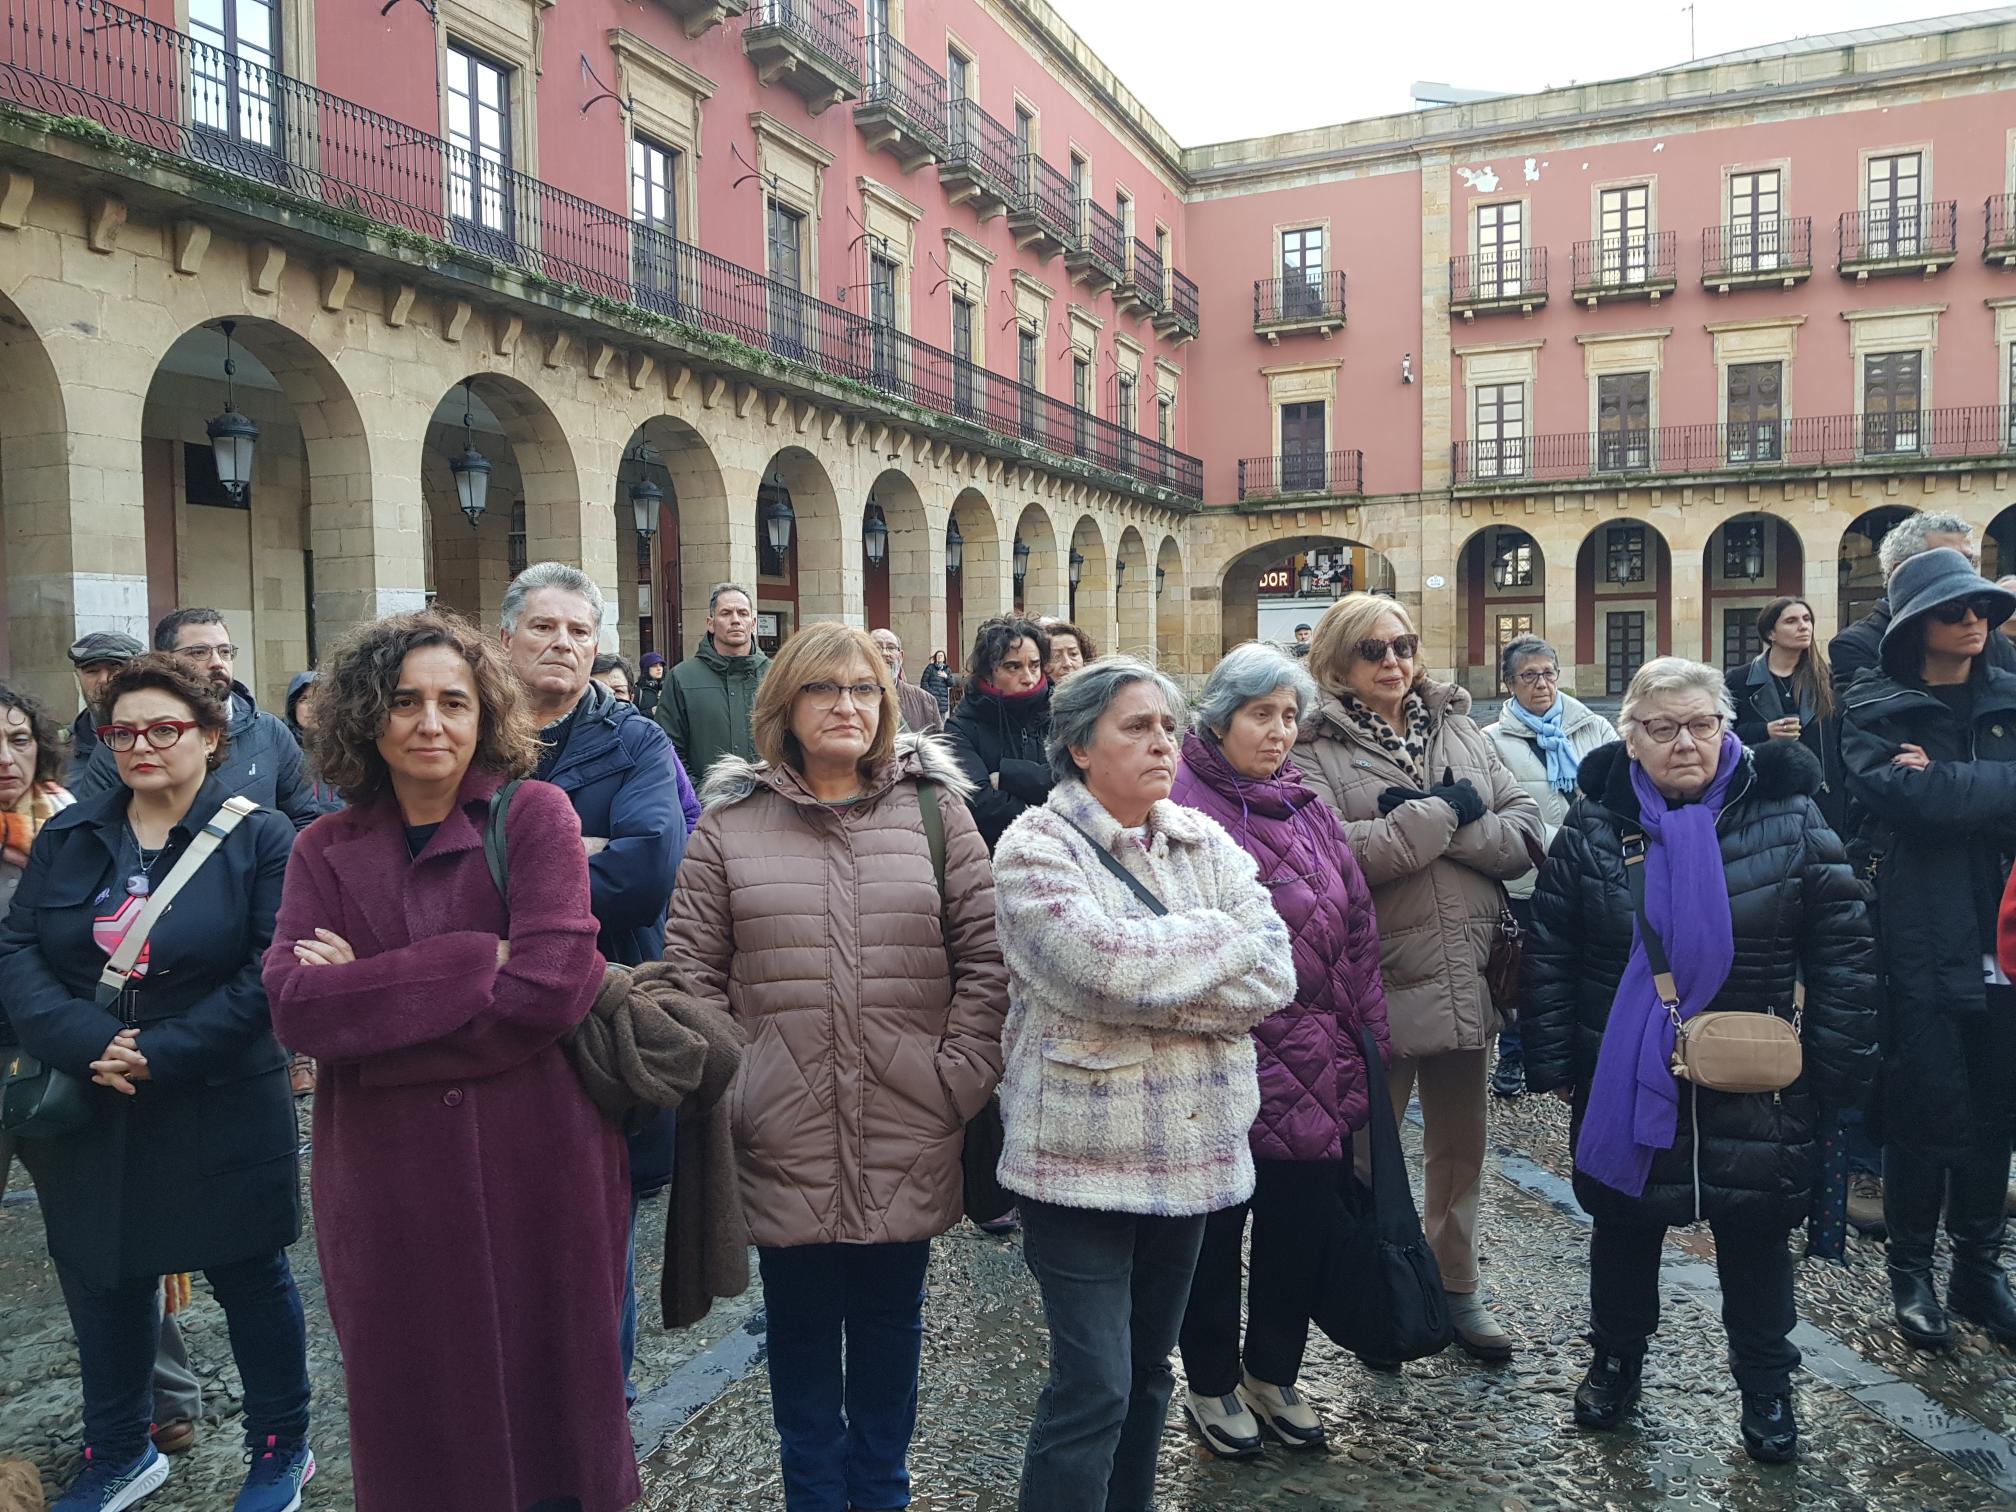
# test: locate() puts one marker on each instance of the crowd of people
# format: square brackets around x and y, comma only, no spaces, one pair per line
[1139,968]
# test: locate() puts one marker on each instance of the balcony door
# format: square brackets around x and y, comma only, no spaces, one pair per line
[957,72]
[1028,350]
[1890,225]
[1892,402]
[480,208]
[1499,450]
[964,385]
[1623,649]
[1501,251]
[1625,229]
[1623,421]
[878,47]
[784,250]
[1754,222]
[1303,428]
[1302,273]
[1756,415]
[232,74]
[882,318]
[654,225]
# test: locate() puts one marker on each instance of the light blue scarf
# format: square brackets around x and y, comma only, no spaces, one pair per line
[1552,736]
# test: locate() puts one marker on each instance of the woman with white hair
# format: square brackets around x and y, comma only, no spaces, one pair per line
[1314,1089]
[1542,734]
[1690,852]
[1141,948]
[1438,824]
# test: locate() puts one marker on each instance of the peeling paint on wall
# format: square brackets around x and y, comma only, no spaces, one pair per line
[1484,180]
[1532,171]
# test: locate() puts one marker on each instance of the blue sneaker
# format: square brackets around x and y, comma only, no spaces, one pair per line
[279,1471]
[105,1487]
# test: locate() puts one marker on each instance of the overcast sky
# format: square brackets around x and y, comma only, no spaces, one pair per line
[1212,70]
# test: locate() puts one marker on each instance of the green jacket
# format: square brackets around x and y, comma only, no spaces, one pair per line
[706,704]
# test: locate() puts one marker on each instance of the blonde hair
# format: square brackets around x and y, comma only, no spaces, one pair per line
[1343,625]
[820,653]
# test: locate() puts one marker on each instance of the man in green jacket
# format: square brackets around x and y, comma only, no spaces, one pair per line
[708,697]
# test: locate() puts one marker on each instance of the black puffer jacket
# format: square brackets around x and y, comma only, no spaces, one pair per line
[1797,911]
[990,734]
[1940,841]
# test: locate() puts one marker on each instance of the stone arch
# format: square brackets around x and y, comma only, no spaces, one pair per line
[809,585]
[659,590]
[1260,590]
[1858,577]
[1501,592]
[1042,588]
[40,616]
[979,589]
[1172,595]
[1998,544]
[294,563]
[1749,560]
[1134,597]
[1623,604]
[1092,596]
[904,591]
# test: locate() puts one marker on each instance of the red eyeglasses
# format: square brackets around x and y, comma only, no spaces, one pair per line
[161,734]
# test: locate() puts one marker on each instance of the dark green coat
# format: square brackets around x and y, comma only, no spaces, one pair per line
[706,704]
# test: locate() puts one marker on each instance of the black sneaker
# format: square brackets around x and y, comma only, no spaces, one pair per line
[1770,1431]
[1508,1077]
[1608,1390]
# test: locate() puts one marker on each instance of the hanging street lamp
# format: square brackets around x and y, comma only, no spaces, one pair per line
[233,438]
[472,468]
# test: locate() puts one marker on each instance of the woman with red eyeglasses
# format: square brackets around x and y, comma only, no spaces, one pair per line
[187,1160]
[1439,824]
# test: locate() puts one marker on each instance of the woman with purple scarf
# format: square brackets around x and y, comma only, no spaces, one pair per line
[1313,1090]
[1751,895]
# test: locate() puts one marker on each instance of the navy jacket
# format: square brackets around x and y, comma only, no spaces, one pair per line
[198,1167]
[263,763]
[621,774]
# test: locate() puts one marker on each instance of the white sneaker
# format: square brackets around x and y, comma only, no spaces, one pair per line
[1227,1428]
[1283,1413]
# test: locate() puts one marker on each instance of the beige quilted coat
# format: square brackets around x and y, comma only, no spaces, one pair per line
[1435,887]
[870,1041]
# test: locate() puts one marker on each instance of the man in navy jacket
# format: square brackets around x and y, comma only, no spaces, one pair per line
[633,798]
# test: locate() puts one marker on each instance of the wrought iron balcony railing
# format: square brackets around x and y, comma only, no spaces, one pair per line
[1908,234]
[829,29]
[1645,261]
[1998,232]
[1490,278]
[1102,240]
[168,92]
[1182,315]
[1781,247]
[981,147]
[1145,276]
[904,84]
[1294,299]
[1045,198]
[1337,472]
[1907,436]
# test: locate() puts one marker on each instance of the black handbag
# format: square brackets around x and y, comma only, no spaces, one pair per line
[38,1101]
[1381,1296]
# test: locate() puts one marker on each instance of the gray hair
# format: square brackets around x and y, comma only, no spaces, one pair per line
[1906,539]
[1076,707]
[1252,671]
[714,596]
[1666,676]
[1522,648]
[541,575]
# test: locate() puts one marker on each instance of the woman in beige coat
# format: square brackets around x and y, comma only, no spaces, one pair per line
[836,897]
[1439,825]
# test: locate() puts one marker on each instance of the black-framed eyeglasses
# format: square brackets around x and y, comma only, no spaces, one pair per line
[1703,727]
[1539,678]
[161,734]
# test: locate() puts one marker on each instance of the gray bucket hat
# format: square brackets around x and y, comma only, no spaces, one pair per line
[1933,578]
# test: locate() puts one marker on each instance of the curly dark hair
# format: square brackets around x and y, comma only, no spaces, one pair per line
[167,673]
[48,741]
[992,640]
[1087,651]
[353,699]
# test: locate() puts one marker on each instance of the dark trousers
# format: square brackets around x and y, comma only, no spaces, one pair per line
[1755,1269]
[845,1427]
[1287,1270]
[1114,1286]
[117,1328]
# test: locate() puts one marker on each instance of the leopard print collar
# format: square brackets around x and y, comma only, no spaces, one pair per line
[1408,751]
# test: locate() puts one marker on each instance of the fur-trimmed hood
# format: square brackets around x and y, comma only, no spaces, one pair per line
[1776,769]
[731,779]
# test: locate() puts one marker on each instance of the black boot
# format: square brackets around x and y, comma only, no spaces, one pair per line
[1770,1431]
[1974,1213]
[1913,1188]
[1609,1389]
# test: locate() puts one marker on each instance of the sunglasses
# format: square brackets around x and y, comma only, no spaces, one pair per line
[1981,606]
[1402,646]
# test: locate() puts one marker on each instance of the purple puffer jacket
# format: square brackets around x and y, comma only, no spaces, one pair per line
[1312,1072]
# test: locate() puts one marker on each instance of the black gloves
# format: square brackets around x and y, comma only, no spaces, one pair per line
[1393,797]
[1460,796]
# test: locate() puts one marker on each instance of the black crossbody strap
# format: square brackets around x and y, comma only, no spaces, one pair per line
[1112,863]
[1655,948]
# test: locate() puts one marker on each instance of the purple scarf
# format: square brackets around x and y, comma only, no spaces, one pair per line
[1634,1102]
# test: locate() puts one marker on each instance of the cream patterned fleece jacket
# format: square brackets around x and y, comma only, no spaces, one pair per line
[1129,1083]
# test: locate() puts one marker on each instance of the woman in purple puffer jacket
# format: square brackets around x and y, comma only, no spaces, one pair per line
[1312,1069]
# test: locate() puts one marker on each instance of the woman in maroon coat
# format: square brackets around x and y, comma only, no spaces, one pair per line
[1313,1088]
[471,1205]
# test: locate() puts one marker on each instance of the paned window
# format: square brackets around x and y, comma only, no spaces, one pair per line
[1501,251]
[1892,402]
[1624,228]
[1756,415]
[1623,421]
[479,155]
[1499,450]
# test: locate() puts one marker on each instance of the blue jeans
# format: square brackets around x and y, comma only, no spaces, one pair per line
[626,1329]
[845,1428]
[1114,1287]
[1864,1158]
[117,1329]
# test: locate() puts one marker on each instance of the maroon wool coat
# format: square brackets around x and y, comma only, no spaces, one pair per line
[472,1207]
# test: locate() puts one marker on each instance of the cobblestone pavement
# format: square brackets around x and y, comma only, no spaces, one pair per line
[1885,1427]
